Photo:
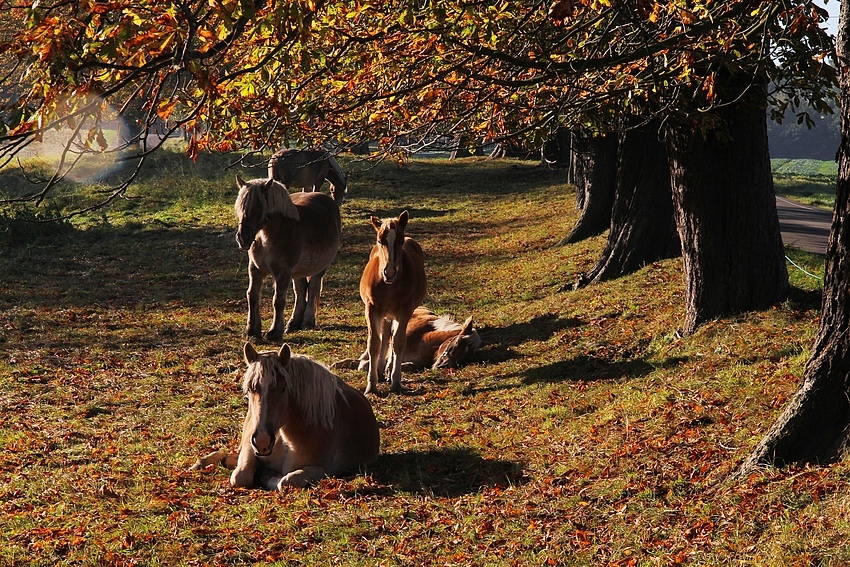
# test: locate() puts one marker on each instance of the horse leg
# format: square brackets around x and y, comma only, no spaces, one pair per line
[387,358]
[223,457]
[254,326]
[399,344]
[373,347]
[281,281]
[296,321]
[302,477]
[246,465]
[314,292]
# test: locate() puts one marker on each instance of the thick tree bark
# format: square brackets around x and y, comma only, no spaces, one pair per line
[594,175]
[725,207]
[643,229]
[815,426]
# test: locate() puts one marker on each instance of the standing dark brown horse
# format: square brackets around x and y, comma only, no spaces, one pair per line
[308,169]
[290,238]
[393,284]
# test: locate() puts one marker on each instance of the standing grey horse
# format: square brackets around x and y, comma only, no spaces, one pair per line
[308,169]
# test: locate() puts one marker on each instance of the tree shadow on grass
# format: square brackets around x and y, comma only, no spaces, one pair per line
[801,300]
[580,369]
[449,472]
[587,369]
[498,341]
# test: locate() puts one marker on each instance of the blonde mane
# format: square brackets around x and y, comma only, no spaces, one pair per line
[274,200]
[310,385]
[446,323]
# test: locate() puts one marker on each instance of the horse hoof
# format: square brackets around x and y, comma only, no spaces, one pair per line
[396,388]
[274,337]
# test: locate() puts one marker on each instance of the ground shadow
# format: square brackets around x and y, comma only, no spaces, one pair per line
[449,472]
[576,370]
[586,369]
[498,342]
[803,300]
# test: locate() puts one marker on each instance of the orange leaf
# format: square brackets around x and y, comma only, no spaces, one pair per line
[166,109]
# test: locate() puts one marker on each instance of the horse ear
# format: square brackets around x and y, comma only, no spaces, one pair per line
[269,184]
[376,222]
[284,354]
[467,326]
[403,218]
[250,353]
[239,181]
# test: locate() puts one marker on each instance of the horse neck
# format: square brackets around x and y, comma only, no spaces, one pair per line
[435,338]
[312,391]
[279,201]
[335,175]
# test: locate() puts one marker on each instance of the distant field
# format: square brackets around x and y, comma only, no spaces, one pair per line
[806,180]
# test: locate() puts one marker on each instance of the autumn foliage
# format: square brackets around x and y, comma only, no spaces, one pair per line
[243,74]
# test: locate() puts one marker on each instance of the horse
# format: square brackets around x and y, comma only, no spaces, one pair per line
[432,342]
[393,284]
[303,423]
[308,169]
[290,237]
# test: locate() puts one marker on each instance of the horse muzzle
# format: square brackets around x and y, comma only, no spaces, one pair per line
[388,276]
[444,362]
[244,243]
[263,444]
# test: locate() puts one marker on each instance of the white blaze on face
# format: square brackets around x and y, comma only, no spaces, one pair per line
[389,269]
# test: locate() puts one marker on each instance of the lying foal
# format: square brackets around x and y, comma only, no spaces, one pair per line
[432,342]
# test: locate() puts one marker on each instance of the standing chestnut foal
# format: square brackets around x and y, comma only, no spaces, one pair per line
[393,284]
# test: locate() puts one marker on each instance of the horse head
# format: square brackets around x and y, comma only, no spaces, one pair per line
[265,387]
[251,209]
[458,348]
[390,239]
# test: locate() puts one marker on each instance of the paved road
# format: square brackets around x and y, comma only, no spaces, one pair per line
[803,227]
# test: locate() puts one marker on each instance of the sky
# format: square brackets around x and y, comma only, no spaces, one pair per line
[833,6]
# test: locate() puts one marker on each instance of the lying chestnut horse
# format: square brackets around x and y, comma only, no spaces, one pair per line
[432,342]
[393,284]
[303,423]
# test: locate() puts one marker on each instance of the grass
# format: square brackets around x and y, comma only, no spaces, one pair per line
[808,181]
[585,431]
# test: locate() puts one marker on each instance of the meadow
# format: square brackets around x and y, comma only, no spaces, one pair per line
[586,431]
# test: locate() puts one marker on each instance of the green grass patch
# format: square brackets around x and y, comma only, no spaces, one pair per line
[584,432]
[805,180]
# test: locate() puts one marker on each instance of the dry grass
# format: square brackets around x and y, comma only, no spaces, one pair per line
[585,432]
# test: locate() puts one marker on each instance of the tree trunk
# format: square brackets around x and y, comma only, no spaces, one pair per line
[594,175]
[556,150]
[460,148]
[815,426]
[725,207]
[510,149]
[643,229]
